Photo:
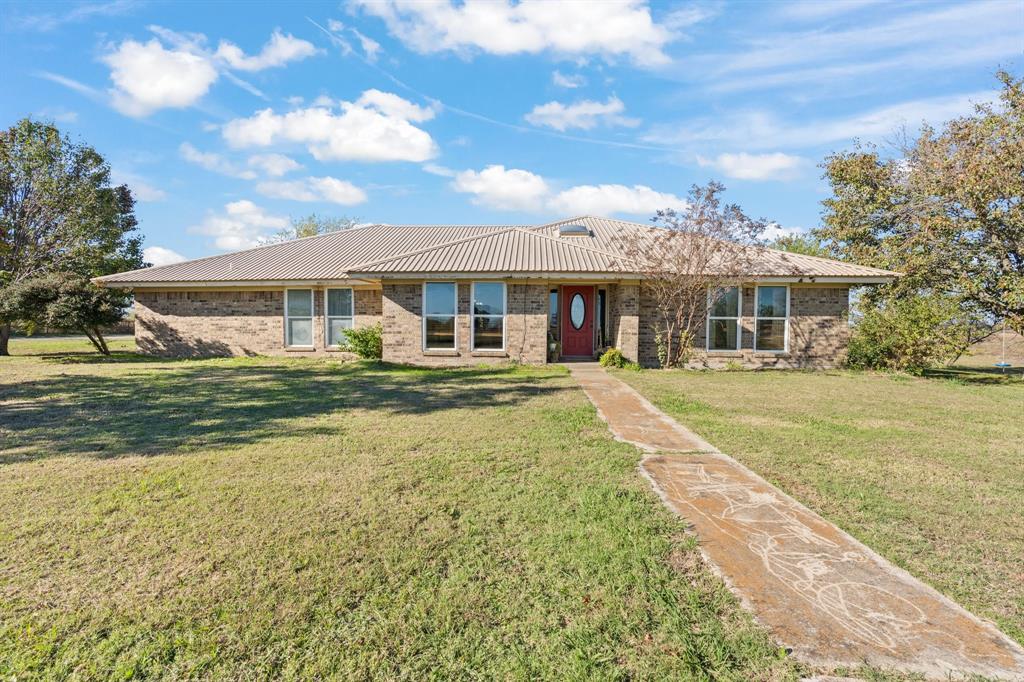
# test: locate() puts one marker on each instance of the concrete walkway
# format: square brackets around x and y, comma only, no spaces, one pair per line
[823,594]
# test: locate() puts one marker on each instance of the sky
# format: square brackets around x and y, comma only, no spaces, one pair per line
[228,119]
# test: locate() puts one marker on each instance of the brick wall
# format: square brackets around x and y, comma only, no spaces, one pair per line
[526,321]
[210,323]
[624,319]
[818,332]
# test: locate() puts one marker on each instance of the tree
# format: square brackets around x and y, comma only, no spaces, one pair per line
[947,210]
[687,260]
[310,226]
[806,244]
[66,301]
[59,212]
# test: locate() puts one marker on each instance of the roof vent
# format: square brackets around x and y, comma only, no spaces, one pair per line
[574,231]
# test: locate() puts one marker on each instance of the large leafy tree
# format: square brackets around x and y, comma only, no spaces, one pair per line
[946,210]
[59,212]
[312,225]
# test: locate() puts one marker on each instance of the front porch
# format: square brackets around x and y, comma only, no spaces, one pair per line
[585,319]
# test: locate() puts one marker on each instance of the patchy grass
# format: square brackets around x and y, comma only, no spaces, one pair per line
[928,471]
[281,518]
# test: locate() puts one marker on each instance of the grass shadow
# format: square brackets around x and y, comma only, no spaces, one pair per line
[195,405]
[977,375]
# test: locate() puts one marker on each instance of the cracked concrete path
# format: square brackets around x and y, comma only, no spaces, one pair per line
[823,594]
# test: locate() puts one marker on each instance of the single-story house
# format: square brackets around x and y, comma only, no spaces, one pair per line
[467,294]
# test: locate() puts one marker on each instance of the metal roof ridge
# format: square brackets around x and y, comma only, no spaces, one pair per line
[362,266]
[585,247]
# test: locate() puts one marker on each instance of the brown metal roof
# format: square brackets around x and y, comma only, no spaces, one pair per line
[453,249]
[513,250]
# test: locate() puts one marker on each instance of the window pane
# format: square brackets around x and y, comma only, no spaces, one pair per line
[727,304]
[771,335]
[441,332]
[487,333]
[722,335]
[339,302]
[553,308]
[300,302]
[577,311]
[771,301]
[300,332]
[488,298]
[334,327]
[440,298]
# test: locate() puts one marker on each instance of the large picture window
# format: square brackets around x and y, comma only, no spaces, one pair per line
[339,314]
[488,312]
[724,319]
[771,325]
[439,306]
[298,318]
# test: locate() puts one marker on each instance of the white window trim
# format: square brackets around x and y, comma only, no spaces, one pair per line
[757,297]
[423,316]
[312,316]
[738,319]
[328,317]
[473,316]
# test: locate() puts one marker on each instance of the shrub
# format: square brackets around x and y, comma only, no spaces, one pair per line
[366,342]
[908,335]
[612,358]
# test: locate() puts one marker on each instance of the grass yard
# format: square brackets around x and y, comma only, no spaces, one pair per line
[927,471]
[281,518]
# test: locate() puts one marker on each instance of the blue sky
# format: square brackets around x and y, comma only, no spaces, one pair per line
[228,118]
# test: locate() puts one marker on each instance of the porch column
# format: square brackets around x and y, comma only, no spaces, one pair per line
[627,320]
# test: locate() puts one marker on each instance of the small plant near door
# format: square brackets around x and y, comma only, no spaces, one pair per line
[613,358]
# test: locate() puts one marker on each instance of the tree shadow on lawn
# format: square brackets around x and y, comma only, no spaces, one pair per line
[210,405]
[978,375]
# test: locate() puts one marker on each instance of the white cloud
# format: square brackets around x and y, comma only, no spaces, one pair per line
[274,165]
[148,77]
[158,255]
[242,225]
[612,199]
[608,29]
[744,166]
[278,51]
[438,169]
[141,189]
[314,189]
[773,231]
[496,187]
[391,104]
[151,76]
[370,46]
[58,114]
[585,114]
[515,189]
[377,128]
[214,162]
[568,81]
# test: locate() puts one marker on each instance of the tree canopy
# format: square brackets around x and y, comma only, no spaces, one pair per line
[312,225]
[59,212]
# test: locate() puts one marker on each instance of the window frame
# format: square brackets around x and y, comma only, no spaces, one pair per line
[737,320]
[455,316]
[473,316]
[785,319]
[328,317]
[311,317]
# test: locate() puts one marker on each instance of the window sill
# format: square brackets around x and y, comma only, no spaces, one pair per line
[442,353]
[725,353]
[771,354]
[489,354]
[300,349]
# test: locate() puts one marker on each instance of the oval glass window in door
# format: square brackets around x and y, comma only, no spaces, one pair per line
[577,311]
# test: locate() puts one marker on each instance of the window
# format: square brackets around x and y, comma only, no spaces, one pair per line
[724,319]
[298,317]
[553,310]
[488,312]
[439,305]
[602,332]
[338,305]
[772,311]
[577,311]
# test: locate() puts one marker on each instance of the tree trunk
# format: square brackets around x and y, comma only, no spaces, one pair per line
[102,342]
[92,340]
[5,336]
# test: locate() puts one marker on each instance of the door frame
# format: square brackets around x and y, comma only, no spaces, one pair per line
[565,323]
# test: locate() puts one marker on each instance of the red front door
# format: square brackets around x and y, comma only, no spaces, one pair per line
[577,321]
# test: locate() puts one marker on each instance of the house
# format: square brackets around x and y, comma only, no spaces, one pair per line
[468,294]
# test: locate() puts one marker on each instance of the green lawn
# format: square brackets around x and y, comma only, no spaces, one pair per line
[928,471]
[265,519]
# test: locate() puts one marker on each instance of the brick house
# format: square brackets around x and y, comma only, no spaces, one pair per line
[457,295]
